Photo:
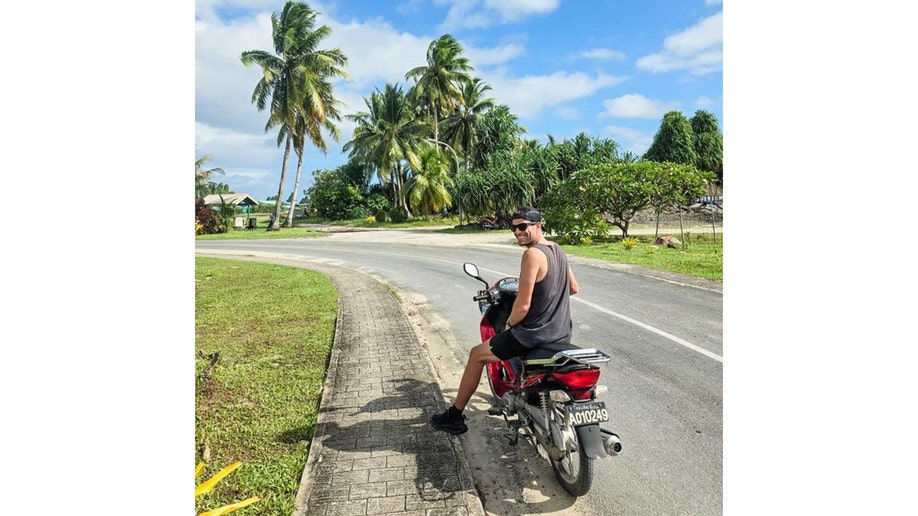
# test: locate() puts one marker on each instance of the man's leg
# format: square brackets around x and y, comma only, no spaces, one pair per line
[479,356]
[452,421]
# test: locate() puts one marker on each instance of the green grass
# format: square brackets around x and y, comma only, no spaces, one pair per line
[262,234]
[700,257]
[273,327]
[417,222]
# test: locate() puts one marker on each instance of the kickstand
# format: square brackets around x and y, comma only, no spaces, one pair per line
[514,436]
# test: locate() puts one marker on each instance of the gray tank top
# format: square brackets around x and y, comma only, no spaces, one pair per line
[549,317]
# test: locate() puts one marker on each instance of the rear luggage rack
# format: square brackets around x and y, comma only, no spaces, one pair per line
[561,358]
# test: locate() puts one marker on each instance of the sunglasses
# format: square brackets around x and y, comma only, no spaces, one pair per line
[522,226]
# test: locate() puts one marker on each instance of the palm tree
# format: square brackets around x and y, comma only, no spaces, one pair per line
[428,188]
[202,177]
[438,85]
[459,129]
[296,78]
[311,126]
[386,135]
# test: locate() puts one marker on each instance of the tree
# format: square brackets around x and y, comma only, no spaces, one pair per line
[386,134]
[709,144]
[202,176]
[357,174]
[459,129]
[497,131]
[216,188]
[296,79]
[673,142]
[674,185]
[584,151]
[311,125]
[496,180]
[617,191]
[334,198]
[428,188]
[439,84]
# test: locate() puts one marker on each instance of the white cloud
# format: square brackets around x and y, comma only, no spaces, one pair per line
[528,96]
[226,145]
[603,54]
[468,14]
[376,52]
[629,139]
[493,56]
[698,49]
[636,106]
[567,112]
[515,10]
[704,102]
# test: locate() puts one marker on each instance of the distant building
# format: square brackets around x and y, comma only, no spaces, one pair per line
[233,199]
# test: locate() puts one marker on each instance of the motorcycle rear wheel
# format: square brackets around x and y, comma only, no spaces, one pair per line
[575,471]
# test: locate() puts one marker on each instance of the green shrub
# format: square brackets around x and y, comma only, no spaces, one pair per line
[378,203]
[630,243]
[209,220]
[398,214]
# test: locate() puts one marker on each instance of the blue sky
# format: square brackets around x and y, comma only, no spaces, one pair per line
[609,69]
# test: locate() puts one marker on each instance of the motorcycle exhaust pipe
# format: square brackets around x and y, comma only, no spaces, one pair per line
[611,442]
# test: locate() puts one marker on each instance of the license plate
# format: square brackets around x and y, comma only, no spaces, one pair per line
[580,414]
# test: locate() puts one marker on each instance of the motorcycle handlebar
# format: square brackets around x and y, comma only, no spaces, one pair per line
[480,297]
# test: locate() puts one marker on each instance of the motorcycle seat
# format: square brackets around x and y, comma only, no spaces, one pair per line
[548,350]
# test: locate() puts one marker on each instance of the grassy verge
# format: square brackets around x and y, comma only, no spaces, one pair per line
[262,234]
[418,222]
[273,327]
[700,257]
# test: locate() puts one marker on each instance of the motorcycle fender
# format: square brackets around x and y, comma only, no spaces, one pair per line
[591,440]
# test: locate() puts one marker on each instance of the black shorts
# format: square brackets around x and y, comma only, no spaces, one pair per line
[504,345]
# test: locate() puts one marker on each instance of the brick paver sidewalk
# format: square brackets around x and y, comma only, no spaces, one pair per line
[373,451]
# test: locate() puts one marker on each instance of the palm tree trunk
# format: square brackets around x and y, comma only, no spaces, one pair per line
[436,126]
[400,191]
[296,186]
[275,223]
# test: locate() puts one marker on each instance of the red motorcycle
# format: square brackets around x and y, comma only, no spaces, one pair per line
[500,222]
[551,392]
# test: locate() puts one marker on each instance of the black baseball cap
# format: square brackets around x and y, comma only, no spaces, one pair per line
[527,213]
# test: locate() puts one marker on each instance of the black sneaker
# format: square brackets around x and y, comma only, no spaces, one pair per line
[444,422]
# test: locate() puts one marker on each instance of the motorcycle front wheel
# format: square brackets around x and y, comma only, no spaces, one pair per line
[575,470]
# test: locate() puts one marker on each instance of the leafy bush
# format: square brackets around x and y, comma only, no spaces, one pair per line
[398,214]
[577,227]
[370,220]
[630,243]
[335,199]
[209,220]
[377,203]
